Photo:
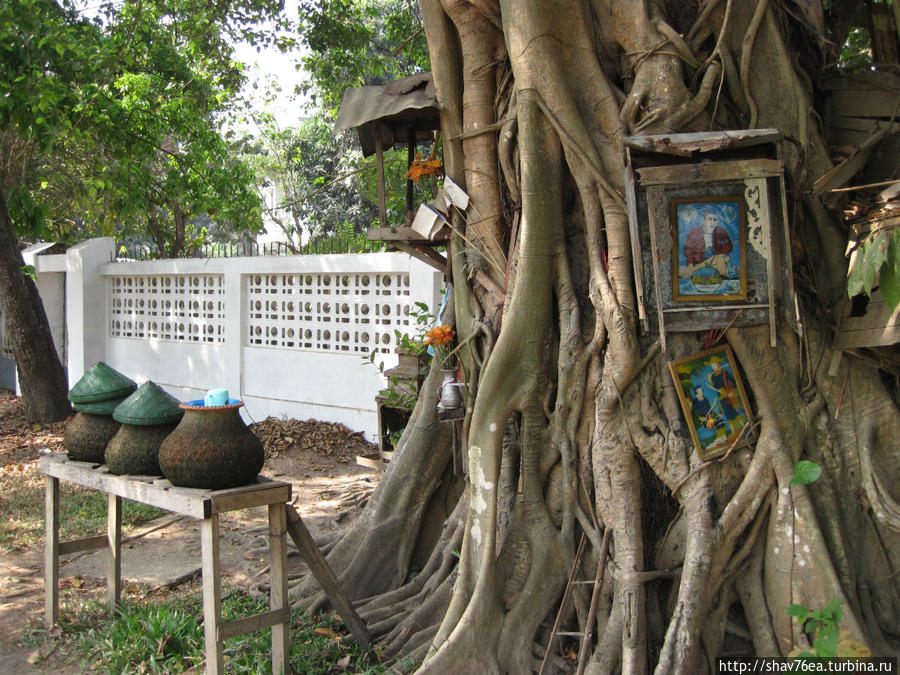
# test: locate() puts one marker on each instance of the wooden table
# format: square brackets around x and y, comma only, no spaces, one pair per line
[205,505]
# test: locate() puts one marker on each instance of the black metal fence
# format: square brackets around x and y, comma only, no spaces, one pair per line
[317,246]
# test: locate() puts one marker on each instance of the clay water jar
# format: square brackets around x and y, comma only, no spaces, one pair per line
[87,435]
[148,416]
[211,448]
[99,391]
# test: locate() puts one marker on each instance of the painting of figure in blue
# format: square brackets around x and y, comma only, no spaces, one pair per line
[709,248]
[713,400]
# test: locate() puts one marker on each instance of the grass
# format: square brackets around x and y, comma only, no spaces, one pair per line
[82,512]
[167,637]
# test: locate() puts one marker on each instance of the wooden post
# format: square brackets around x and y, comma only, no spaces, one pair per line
[379,168]
[51,552]
[278,594]
[212,601]
[410,158]
[114,550]
[323,574]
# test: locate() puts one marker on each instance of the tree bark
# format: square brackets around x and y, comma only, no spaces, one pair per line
[41,375]
[573,425]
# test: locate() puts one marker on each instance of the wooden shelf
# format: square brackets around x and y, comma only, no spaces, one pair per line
[451,414]
[409,241]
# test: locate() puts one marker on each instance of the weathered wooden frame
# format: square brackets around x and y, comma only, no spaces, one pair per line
[674,205]
[738,438]
[653,178]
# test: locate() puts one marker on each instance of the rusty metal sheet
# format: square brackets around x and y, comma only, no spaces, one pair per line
[384,109]
[685,145]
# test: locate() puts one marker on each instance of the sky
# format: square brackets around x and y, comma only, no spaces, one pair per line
[270,65]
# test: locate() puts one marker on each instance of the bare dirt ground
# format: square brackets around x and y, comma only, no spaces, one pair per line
[163,555]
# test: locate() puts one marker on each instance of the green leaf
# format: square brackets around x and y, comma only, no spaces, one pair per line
[799,611]
[805,472]
[890,273]
[832,610]
[827,638]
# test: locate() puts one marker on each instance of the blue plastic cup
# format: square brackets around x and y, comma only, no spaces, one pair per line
[216,397]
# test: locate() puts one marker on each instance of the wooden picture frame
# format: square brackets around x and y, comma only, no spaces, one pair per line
[709,252]
[713,400]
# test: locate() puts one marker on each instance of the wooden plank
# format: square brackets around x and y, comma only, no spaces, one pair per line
[326,578]
[843,172]
[492,286]
[253,495]
[636,261]
[854,124]
[254,623]
[179,500]
[879,327]
[212,600]
[656,211]
[861,79]
[194,502]
[704,141]
[375,462]
[85,544]
[719,172]
[278,589]
[425,253]
[51,552]
[873,102]
[114,552]
[405,234]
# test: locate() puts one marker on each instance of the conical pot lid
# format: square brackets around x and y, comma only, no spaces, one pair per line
[101,383]
[99,407]
[149,405]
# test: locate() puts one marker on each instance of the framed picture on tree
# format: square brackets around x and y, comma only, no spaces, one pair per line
[713,400]
[709,256]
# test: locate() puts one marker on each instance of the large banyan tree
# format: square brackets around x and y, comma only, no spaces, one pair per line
[573,428]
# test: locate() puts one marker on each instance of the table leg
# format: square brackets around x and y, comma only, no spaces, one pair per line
[51,552]
[212,600]
[278,595]
[114,550]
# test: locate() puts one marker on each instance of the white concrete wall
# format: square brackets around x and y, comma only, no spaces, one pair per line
[287,335]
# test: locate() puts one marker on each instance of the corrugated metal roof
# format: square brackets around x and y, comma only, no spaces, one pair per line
[388,109]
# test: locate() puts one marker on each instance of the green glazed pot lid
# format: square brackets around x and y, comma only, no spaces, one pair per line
[101,383]
[99,407]
[149,405]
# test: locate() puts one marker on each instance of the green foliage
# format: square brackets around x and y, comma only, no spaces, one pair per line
[168,638]
[113,121]
[805,472]
[822,624]
[353,43]
[877,257]
[404,395]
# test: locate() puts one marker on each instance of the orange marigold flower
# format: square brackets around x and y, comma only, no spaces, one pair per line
[420,167]
[440,336]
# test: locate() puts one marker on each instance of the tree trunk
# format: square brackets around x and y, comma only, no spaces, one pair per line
[573,427]
[41,375]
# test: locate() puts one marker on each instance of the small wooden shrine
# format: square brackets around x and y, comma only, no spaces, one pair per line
[709,233]
[403,112]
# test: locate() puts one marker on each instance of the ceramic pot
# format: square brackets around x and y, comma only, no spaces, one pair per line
[135,449]
[211,448]
[450,394]
[87,435]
